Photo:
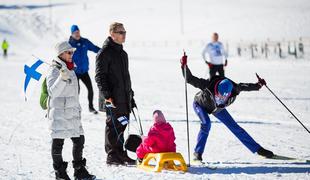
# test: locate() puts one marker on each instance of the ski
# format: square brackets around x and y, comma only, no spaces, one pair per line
[197,163]
[279,157]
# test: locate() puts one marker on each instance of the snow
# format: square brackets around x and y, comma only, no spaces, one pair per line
[154,44]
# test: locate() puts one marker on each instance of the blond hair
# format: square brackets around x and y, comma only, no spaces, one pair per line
[115,26]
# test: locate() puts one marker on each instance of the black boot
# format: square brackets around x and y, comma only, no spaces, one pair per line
[80,172]
[60,171]
[127,160]
[197,157]
[139,161]
[93,110]
[113,159]
[264,152]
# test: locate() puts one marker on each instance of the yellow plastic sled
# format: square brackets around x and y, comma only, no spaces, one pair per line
[163,161]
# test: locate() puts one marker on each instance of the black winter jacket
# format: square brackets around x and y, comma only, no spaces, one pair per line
[112,75]
[205,97]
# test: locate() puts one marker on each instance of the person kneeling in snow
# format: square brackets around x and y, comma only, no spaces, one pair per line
[159,139]
[64,113]
[216,94]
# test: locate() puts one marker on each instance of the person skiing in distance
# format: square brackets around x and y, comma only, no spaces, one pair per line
[216,94]
[81,61]
[64,114]
[217,55]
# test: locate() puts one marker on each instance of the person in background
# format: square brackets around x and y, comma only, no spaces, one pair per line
[5,47]
[81,61]
[217,56]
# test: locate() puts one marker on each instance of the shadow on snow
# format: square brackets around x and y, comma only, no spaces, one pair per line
[250,170]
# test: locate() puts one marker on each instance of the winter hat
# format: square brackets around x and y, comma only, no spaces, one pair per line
[225,87]
[158,117]
[62,47]
[74,28]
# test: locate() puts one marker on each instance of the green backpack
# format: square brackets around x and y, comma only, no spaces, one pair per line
[44,92]
[44,95]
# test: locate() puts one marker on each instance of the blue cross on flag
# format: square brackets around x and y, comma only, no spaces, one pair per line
[31,73]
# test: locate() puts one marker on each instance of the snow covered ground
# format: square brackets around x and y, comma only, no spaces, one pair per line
[158,84]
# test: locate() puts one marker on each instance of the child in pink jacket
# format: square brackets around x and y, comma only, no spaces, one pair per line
[159,139]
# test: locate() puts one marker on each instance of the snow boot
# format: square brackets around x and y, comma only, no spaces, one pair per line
[93,110]
[264,152]
[113,159]
[80,172]
[139,161]
[126,159]
[60,171]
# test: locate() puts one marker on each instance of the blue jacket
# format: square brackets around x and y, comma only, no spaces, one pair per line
[80,57]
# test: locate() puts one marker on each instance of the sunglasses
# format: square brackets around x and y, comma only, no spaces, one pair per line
[69,52]
[120,32]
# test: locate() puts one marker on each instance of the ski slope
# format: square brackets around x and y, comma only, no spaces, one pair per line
[158,84]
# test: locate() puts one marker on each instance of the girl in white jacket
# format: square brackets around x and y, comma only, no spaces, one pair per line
[64,113]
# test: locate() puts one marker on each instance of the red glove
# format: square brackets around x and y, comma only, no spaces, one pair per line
[209,64]
[183,60]
[225,63]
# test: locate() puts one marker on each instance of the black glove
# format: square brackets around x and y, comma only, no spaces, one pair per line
[262,82]
[133,103]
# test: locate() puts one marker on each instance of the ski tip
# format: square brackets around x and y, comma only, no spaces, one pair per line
[279,157]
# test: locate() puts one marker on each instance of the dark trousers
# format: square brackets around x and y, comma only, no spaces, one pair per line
[217,68]
[114,133]
[86,80]
[5,52]
[77,149]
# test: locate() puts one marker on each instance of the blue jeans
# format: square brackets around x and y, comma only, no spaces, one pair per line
[229,122]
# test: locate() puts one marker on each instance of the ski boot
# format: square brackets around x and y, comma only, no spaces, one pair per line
[264,152]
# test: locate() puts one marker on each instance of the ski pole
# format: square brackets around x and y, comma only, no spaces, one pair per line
[259,79]
[186,105]
[41,60]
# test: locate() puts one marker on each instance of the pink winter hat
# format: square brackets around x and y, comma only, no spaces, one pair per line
[158,117]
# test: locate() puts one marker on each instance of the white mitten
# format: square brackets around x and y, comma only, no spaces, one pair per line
[64,73]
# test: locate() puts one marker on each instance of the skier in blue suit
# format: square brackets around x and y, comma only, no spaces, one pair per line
[216,94]
[81,61]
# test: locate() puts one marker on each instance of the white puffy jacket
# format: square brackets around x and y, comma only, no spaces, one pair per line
[64,110]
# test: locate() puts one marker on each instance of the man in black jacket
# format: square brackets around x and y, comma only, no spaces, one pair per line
[113,80]
[216,94]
